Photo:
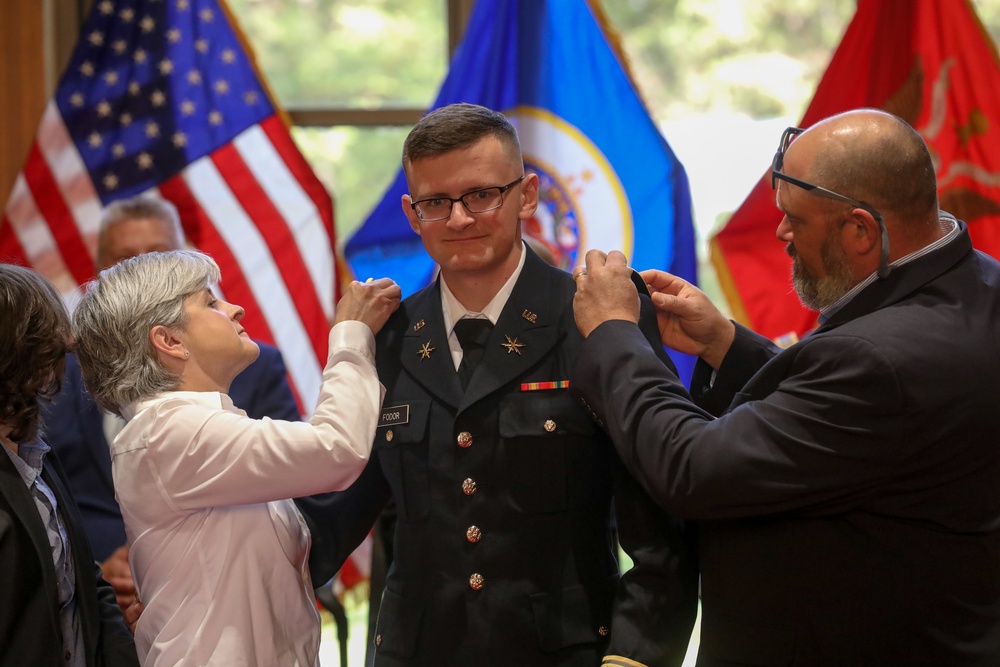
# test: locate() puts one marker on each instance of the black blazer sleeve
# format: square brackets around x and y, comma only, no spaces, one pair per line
[657,598]
[340,521]
[748,353]
[752,460]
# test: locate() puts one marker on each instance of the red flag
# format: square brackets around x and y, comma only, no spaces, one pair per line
[163,97]
[929,62]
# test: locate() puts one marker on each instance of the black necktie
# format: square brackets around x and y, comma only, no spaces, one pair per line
[472,334]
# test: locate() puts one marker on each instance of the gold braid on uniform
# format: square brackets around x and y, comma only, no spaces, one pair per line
[620,661]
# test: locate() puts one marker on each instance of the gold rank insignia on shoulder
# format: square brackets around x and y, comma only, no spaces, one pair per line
[530,316]
[425,351]
[512,345]
[418,326]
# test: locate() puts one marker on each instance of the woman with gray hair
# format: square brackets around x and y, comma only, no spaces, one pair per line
[218,552]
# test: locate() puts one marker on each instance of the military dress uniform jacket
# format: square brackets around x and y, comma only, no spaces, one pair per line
[30,631]
[849,493]
[503,551]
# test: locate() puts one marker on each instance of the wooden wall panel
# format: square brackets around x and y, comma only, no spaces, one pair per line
[23,91]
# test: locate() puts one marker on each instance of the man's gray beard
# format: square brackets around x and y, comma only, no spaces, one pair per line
[820,293]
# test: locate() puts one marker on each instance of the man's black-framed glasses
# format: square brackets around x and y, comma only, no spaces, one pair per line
[477,201]
[776,173]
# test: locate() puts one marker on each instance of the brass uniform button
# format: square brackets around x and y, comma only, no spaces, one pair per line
[473,534]
[549,425]
[464,439]
[603,631]
[469,486]
[378,640]
[476,581]
[388,435]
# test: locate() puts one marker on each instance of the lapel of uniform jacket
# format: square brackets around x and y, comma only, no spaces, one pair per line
[524,334]
[22,504]
[426,355]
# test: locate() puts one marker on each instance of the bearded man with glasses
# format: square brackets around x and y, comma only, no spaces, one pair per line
[503,484]
[848,486]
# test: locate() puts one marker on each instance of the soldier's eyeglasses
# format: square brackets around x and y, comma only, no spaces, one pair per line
[478,201]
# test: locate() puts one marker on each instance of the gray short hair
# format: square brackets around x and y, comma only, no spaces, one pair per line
[137,208]
[111,324]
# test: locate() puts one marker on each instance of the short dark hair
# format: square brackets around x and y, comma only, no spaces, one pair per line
[34,339]
[458,126]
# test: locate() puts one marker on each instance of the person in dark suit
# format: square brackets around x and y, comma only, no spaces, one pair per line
[847,487]
[503,484]
[55,608]
[79,432]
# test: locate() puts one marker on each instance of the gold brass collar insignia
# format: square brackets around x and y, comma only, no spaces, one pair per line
[425,351]
[512,345]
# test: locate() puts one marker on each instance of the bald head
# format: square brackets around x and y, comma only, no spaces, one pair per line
[869,197]
[876,158]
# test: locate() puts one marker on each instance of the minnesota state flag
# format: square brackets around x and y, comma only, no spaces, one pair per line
[608,179]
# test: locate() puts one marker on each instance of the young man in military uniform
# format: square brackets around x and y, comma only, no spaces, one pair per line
[503,484]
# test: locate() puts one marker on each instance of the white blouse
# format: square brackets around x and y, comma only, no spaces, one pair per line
[218,553]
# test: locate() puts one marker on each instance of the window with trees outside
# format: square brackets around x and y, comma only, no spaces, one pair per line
[355,74]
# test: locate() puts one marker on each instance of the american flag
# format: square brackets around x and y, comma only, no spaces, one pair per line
[162,96]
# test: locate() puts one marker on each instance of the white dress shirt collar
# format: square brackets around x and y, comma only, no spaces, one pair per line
[453,310]
[213,399]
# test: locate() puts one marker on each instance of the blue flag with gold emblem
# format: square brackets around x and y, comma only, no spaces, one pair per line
[607,178]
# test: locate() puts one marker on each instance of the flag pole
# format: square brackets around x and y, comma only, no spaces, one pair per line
[252,59]
[614,40]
